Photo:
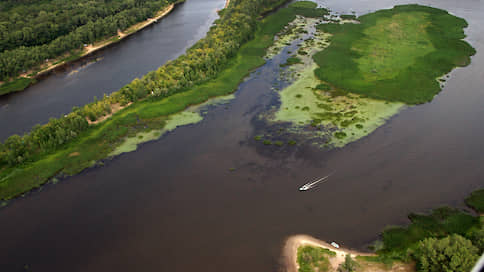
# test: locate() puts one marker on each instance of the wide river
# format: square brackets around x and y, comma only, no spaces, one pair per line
[175,205]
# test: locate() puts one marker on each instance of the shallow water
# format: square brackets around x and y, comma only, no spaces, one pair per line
[116,66]
[175,204]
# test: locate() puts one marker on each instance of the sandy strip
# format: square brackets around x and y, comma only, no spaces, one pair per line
[227,2]
[134,28]
[289,251]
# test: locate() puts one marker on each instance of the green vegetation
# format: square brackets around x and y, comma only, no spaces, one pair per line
[313,259]
[291,61]
[452,253]
[445,240]
[214,66]
[424,44]
[308,9]
[349,265]
[15,85]
[476,201]
[348,17]
[33,31]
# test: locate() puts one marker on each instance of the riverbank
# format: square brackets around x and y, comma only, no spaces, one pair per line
[34,75]
[293,243]
[401,248]
[96,142]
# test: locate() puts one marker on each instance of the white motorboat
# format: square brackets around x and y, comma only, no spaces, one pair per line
[310,185]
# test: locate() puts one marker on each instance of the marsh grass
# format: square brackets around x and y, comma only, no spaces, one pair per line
[15,85]
[424,43]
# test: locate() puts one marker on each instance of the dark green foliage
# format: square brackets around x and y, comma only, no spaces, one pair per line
[440,223]
[308,9]
[278,143]
[30,33]
[15,85]
[413,85]
[349,265]
[340,134]
[313,259]
[291,61]
[323,87]
[476,201]
[267,142]
[452,253]
[348,16]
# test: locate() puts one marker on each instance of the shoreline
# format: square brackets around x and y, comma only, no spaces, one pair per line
[90,49]
[293,243]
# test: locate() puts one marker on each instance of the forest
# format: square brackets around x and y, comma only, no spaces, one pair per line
[199,64]
[32,32]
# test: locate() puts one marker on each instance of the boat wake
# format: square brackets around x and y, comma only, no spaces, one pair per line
[313,184]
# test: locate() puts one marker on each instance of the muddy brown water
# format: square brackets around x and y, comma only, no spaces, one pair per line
[175,205]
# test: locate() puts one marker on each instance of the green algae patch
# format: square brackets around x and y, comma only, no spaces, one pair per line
[341,119]
[394,54]
[180,119]
[187,117]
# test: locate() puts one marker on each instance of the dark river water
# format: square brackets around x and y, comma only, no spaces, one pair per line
[174,205]
[116,66]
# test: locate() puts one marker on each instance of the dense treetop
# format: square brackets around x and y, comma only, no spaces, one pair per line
[33,31]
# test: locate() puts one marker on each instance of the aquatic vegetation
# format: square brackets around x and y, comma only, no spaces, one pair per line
[351,115]
[425,43]
[180,119]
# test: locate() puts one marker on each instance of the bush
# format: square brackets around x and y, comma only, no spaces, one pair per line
[452,253]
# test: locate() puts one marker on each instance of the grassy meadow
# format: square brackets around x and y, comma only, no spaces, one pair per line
[395,54]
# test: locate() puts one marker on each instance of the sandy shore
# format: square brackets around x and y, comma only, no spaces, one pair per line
[289,251]
[289,256]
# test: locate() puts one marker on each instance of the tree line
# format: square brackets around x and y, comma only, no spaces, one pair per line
[31,33]
[200,63]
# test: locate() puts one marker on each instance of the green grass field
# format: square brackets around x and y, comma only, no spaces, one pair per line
[394,54]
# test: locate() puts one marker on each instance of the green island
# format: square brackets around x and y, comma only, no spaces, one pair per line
[36,37]
[146,108]
[447,239]
[354,73]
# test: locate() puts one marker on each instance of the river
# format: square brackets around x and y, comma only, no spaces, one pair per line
[176,204]
[115,67]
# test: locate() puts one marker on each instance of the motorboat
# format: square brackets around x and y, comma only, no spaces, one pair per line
[310,185]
